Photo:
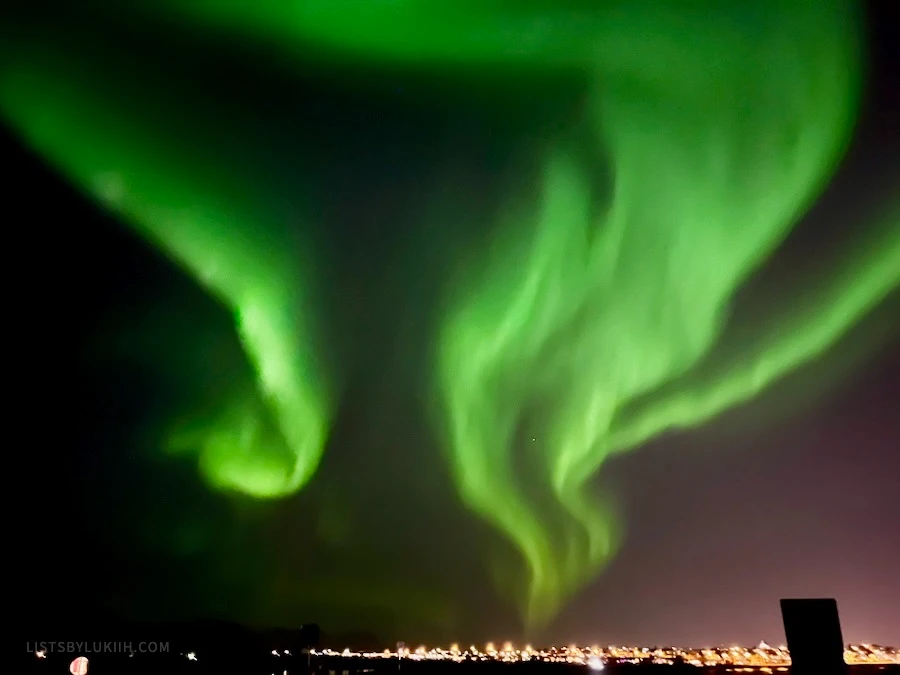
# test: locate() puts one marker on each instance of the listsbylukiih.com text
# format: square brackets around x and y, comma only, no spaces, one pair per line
[97,647]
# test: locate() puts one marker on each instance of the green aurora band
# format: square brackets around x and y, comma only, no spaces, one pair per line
[722,121]
[94,122]
[718,141]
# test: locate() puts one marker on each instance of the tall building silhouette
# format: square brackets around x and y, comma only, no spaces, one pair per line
[813,631]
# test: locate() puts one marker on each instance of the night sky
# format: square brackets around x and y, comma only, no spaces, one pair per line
[790,495]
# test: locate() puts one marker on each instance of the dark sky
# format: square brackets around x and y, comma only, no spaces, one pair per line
[791,495]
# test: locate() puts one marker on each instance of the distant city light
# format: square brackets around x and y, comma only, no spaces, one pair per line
[191,656]
[762,658]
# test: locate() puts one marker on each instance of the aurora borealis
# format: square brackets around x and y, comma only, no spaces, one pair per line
[198,217]
[581,303]
[644,297]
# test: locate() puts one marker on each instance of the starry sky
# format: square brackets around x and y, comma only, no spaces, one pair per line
[788,495]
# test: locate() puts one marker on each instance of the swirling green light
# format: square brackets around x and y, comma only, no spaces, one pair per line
[88,119]
[721,119]
[721,125]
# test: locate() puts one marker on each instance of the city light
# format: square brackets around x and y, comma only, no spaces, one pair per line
[761,658]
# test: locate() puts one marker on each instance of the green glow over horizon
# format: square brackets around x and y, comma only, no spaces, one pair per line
[599,301]
[583,314]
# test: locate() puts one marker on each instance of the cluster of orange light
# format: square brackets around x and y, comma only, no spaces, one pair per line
[762,656]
